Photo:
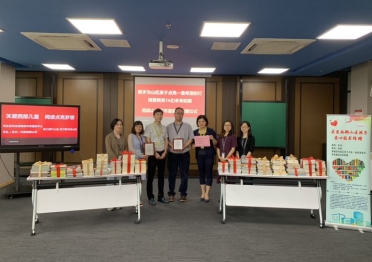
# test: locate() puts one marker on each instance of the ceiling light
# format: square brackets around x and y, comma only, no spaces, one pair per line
[346,32]
[202,69]
[173,46]
[1,30]
[273,70]
[132,68]
[214,29]
[96,26]
[59,66]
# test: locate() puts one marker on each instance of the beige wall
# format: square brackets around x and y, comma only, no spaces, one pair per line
[103,97]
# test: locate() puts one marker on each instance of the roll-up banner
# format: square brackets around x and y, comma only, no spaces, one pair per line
[348,164]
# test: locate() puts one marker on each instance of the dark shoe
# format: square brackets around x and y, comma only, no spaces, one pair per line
[206,200]
[171,198]
[163,200]
[183,199]
[202,199]
[152,202]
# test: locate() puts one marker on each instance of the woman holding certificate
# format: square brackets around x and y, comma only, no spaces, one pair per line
[205,139]
[226,143]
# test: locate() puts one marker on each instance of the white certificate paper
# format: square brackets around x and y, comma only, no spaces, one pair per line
[149,149]
[178,144]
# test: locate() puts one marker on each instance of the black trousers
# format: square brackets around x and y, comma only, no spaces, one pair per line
[154,163]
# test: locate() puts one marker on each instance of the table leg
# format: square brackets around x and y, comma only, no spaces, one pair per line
[138,208]
[34,201]
[318,185]
[223,188]
[221,193]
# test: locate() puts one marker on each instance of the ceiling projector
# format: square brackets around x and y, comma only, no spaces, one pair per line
[160,64]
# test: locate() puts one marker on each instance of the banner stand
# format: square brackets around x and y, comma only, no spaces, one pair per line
[336,226]
[348,204]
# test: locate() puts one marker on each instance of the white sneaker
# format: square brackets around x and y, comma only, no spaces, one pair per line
[111,209]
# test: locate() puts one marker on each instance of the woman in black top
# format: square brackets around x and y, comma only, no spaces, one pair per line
[205,156]
[246,140]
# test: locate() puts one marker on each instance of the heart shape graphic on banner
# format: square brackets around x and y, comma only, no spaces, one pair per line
[348,171]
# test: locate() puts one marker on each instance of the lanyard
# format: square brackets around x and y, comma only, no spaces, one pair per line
[177,130]
[158,131]
[223,143]
[244,144]
[141,143]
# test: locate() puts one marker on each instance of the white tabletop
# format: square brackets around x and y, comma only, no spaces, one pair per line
[272,176]
[82,177]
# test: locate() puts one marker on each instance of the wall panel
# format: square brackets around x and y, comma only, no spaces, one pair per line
[315,98]
[84,90]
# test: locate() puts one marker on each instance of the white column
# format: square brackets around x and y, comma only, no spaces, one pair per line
[7,94]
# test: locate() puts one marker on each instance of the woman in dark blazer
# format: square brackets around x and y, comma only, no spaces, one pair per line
[205,156]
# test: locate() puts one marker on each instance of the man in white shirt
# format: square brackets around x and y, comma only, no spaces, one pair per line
[156,133]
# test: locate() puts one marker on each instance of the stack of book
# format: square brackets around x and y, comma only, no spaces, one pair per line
[249,165]
[115,166]
[235,165]
[293,166]
[129,160]
[263,166]
[320,167]
[40,169]
[58,170]
[278,166]
[223,167]
[102,165]
[308,164]
[74,171]
[88,167]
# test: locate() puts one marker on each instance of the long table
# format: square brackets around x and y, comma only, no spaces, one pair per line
[249,194]
[83,193]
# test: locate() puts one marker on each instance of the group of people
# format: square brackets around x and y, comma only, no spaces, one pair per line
[172,145]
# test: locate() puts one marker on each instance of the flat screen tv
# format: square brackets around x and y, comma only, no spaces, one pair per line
[33,128]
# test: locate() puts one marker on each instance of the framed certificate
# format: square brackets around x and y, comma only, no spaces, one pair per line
[202,141]
[149,149]
[178,144]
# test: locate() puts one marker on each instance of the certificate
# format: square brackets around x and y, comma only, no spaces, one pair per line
[149,149]
[178,144]
[202,141]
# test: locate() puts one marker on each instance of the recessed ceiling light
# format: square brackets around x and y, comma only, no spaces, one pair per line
[216,29]
[59,66]
[346,32]
[96,26]
[173,46]
[273,70]
[132,68]
[202,69]
[1,30]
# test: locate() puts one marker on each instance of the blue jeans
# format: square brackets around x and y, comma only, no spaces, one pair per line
[181,162]
[205,166]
